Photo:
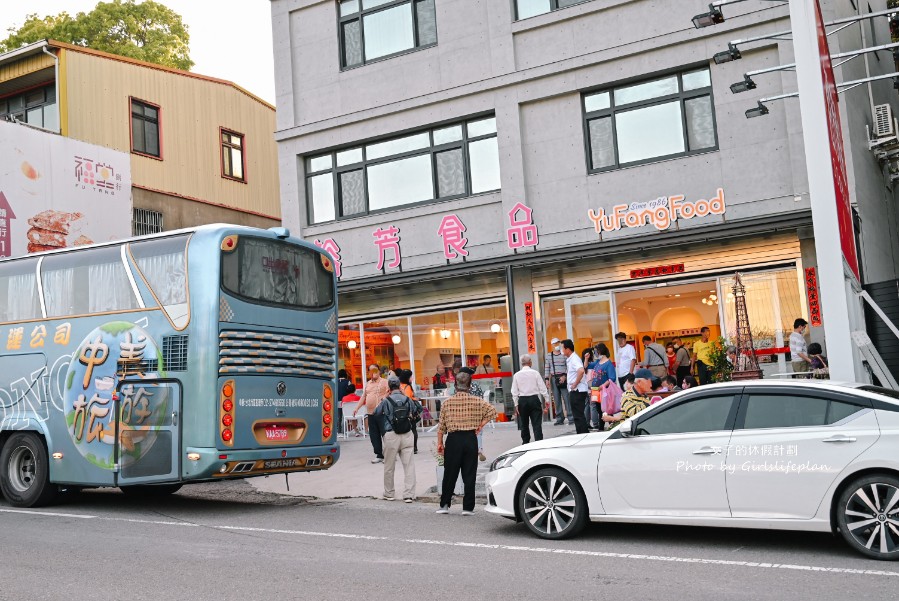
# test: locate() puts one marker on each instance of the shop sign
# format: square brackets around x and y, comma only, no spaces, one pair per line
[522,232]
[388,240]
[814,302]
[529,327]
[451,230]
[331,247]
[651,272]
[661,212]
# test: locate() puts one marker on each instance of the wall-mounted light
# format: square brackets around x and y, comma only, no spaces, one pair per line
[713,17]
[759,111]
[743,86]
[725,56]
[396,339]
[351,344]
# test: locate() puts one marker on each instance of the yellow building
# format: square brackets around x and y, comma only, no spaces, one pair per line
[201,148]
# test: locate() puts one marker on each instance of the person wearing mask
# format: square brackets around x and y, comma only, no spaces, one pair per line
[528,394]
[633,401]
[439,380]
[486,366]
[671,354]
[702,356]
[554,369]
[462,417]
[799,348]
[689,382]
[374,392]
[343,384]
[589,361]
[671,384]
[405,378]
[683,361]
[654,358]
[395,414]
[603,375]
[627,357]
[577,386]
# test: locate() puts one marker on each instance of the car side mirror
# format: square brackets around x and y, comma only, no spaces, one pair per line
[628,428]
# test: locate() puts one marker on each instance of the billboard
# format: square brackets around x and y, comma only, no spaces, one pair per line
[56,192]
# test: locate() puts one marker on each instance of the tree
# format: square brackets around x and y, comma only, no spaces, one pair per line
[146,31]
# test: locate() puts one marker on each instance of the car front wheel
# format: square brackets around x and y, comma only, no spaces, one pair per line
[552,504]
[868,516]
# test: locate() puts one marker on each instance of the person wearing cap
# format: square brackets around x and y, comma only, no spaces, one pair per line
[397,443]
[475,389]
[799,348]
[635,400]
[374,392]
[554,370]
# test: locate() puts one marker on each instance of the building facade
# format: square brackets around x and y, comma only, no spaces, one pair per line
[201,148]
[493,174]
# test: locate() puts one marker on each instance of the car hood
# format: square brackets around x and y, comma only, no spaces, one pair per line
[554,443]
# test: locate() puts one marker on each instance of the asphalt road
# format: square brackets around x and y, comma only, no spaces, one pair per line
[229,541]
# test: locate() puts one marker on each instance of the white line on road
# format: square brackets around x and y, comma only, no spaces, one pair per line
[520,548]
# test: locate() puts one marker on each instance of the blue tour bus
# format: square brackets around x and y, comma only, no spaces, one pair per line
[188,356]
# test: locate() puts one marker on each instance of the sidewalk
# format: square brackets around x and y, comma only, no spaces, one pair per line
[355,476]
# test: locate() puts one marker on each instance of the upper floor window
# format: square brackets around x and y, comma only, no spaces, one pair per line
[531,8]
[450,161]
[232,155]
[373,29]
[145,132]
[666,117]
[35,107]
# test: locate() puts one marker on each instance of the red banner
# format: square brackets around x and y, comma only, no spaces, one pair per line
[814,301]
[529,327]
[650,272]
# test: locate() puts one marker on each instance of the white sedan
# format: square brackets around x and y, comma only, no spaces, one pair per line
[791,455]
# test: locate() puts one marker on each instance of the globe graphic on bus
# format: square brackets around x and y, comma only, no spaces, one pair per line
[111,362]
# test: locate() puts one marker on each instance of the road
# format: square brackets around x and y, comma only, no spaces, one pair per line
[230,541]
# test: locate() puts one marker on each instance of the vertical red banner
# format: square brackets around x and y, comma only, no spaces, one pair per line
[814,302]
[529,327]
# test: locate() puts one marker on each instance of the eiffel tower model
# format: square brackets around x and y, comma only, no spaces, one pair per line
[746,365]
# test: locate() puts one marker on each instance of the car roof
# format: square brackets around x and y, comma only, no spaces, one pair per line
[854,388]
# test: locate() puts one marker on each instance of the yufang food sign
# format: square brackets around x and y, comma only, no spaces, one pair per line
[661,212]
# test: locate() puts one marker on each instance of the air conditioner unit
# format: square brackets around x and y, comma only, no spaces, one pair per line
[884,124]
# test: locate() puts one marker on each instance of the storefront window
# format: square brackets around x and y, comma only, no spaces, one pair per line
[349,353]
[486,332]
[387,343]
[437,344]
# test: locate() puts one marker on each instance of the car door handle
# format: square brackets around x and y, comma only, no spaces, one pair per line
[706,451]
[840,439]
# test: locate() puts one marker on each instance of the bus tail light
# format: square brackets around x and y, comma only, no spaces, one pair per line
[226,412]
[327,411]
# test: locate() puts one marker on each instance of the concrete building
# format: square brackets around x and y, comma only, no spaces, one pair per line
[493,174]
[201,148]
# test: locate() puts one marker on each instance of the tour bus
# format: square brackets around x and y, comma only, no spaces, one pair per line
[193,355]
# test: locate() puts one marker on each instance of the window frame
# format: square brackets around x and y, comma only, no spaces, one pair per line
[142,219]
[131,116]
[243,154]
[553,7]
[23,111]
[828,396]
[729,426]
[681,96]
[360,16]
[432,150]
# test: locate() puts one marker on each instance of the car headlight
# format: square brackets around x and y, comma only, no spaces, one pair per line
[505,460]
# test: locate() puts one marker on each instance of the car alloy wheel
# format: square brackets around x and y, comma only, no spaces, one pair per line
[869,516]
[552,504]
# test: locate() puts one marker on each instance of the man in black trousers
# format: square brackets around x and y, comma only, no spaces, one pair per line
[577,386]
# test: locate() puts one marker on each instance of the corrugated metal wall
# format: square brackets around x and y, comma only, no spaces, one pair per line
[192,111]
[25,66]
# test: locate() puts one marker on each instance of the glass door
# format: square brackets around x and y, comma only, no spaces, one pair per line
[147,440]
[587,320]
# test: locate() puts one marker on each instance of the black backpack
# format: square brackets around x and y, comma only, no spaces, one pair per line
[402,417]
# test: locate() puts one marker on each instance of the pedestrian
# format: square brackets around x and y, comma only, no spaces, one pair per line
[633,401]
[439,380]
[671,384]
[485,367]
[405,377]
[476,390]
[395,415]
[577,386]
[462,417]
[671,354]
[554,369]
[528,394]
[799,348]
[688,382]
[589,361]
[702,356]
[818,362]
[683,361]
[374,392]
[343,384]
[349,403]
[627,357]
[654,359]
[603,376]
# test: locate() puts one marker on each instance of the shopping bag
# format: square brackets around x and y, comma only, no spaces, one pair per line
[611,398]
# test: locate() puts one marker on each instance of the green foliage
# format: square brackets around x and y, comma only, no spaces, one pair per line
[721,367]
[147,31]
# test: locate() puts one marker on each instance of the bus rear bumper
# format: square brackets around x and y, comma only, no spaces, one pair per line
[208,463]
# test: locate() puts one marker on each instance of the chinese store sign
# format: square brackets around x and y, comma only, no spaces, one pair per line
[521,232]
[661,212]
[651,272]
[529,327]
[814,302]
[57,192]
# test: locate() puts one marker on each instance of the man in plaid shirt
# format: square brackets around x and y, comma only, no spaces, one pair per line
[462,416]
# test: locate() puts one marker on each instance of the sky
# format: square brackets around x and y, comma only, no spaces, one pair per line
[229,39]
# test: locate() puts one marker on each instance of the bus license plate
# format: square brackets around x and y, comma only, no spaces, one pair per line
[276,433]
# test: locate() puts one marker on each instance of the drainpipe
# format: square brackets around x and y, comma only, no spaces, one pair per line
[56,83]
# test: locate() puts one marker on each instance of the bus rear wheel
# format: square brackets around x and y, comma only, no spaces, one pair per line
[25,471]
[150,490]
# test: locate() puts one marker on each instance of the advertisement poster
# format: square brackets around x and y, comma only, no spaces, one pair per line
[56,192]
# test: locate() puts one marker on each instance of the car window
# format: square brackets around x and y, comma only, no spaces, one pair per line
[707,414]
[783,411]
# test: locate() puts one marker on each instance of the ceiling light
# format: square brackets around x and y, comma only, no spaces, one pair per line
[496,328]
[713,296]
[713,17]
[758,111]
[396,339]
[445,334]
[351,344]
[725,56]
[705,302]
[743,86]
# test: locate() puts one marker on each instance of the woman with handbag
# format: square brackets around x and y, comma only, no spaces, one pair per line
[604,376]
[818,362]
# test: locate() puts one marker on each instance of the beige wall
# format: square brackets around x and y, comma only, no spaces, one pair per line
[179,213]
[192,110]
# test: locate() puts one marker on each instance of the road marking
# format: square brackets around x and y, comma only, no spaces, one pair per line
[520,548]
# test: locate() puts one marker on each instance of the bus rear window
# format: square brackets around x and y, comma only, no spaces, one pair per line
[270,272]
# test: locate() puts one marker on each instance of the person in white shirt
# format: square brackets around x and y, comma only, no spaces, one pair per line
[529,392]
[626,357]
[799,348]
[577,386]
